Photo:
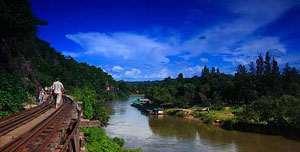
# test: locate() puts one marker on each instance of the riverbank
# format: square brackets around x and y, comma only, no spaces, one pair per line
[215,117]
[226,119]
[172,133]
[96,138]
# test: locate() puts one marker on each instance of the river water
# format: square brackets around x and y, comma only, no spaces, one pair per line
[175,134]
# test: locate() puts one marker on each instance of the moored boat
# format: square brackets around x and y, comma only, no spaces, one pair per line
[145,105]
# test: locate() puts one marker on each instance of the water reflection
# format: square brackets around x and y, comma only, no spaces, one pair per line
[170,134]
[246,142]
[165,126]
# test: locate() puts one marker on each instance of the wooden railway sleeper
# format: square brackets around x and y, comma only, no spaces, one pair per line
[43,146]
[19,142]
[61,120]
[6,128]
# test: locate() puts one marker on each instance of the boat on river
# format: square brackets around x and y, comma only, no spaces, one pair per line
[145,105]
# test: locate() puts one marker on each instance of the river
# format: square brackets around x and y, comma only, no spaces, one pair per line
[175,134]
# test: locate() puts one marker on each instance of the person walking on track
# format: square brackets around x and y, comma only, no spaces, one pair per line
[42,95]
[58,89]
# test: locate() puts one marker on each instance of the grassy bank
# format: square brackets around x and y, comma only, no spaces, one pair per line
[137,95]
[213,116]
[233,119]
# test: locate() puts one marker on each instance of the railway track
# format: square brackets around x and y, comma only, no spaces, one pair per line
[14,121]
[54,132]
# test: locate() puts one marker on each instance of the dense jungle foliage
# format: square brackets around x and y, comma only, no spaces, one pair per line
[11,89]
[141,86]
[263,92]
[27,63]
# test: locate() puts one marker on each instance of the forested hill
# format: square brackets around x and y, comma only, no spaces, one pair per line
[27,62]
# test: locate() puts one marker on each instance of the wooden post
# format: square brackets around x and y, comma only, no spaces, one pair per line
[76,141]
[70,146]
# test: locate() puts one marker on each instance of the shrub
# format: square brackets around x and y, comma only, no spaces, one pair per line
[97,141]
[180,114]
[204,117]
[119,141]
[12,93]
[171,111]
[100,113]
[282,112]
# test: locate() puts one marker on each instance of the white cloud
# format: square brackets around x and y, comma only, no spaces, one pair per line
[136,74]
[124,47]
[260,45]
[191,71]
[115,76]
[161,74]
[133,73]
[239,60]
[250,16]
[249,50]
[234,41]
[72,54]
[204,60]
[104,70]
[117,69]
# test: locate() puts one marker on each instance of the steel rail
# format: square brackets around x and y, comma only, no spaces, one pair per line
[45,130]
[21,119]
[20,114]
[57,126]
[20,141]
[13,117]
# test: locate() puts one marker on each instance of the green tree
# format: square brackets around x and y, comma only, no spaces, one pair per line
[205,71]
[12,94]
[241,69]
[260,65]
[180,77]
[100,112]
[275,80]
[252,69]
[287,78]
[218,71]
[244,87]
[275,68]
[267,65]
[213,70]
[287,70]
[260,81]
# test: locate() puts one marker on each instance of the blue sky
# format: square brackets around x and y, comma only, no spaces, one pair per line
[139,40]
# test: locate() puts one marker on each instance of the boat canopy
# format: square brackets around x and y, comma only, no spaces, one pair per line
[136,102]
[158,109]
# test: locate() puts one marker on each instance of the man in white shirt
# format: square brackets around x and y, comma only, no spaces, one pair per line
[58,89]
